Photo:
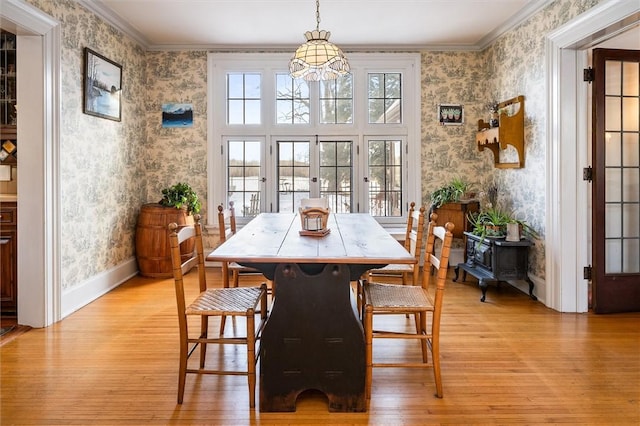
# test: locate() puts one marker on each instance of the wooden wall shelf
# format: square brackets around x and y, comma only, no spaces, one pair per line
[510,132]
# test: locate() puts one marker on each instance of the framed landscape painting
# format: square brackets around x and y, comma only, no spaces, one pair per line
[102,86]
[177,115]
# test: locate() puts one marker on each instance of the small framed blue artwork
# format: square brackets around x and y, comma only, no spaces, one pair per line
[177,115]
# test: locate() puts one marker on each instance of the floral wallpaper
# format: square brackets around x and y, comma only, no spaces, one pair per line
[109,169]
[102,173]
[175,155]
[513,65]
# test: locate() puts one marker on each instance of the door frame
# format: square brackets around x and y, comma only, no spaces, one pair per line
[39,91]
[566,249]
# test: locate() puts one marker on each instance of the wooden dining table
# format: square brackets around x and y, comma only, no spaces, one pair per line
[313,338]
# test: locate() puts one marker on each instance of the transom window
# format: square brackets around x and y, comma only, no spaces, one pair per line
[243,98]
[275,140]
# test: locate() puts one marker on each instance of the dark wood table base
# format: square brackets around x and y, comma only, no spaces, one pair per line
[313,339]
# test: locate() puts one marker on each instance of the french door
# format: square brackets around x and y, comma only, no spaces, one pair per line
[616,187]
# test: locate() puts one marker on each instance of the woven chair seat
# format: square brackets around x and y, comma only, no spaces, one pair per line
[225,301]
[391,297]
[394,267]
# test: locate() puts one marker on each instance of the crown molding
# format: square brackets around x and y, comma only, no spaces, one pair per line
[523,15]
[103,12]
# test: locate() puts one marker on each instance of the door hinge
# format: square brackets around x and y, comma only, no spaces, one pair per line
[587,174]
[586,272]
[588,75]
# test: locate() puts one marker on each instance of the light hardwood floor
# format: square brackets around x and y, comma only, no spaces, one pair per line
[509,360]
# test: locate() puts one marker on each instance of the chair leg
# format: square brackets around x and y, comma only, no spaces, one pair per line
[368,339]
[435,344]
[251,357]
[204,332]
[421,318]
[225,284]
[182,373]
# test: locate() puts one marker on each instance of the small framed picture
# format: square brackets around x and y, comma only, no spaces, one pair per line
[450,114]
[177,115]
[102,86]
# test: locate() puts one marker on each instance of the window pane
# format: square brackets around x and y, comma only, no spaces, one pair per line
[293,174]
[252,86]
[335,181]
[236,112]
[235,86]
[376,88]
[292,98]
[336,101]
[243,98]
[243,176]
[392,86]
[385,98]
[385,178]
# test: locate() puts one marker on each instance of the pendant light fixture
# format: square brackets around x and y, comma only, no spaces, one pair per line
[318,59]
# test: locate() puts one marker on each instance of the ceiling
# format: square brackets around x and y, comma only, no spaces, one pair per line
[277,24]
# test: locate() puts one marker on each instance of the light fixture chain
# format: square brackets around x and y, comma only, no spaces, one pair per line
[318,15]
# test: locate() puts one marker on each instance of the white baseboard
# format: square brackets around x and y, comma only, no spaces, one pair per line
[96,286]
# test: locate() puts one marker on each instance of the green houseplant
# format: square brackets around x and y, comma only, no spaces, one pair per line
[181,195]
[492,222]
[452,192]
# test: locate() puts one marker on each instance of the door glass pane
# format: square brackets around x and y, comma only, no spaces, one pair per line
[613,223]
[612,85]
[631,149]
[613,182]
[243,174]
[630,77]
[612,146]
[630,114]
[622,167]
[613,119]
[293,174]
[385,173]
[630,185]
[613,261]
[336,175]
[631,220]
[631,256]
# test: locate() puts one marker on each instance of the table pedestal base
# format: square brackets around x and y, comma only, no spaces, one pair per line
[313,339]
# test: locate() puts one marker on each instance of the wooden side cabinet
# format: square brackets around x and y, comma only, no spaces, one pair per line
[456,213]
[492,259]
[8,258]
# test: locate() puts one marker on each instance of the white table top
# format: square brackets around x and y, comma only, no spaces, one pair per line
[355,238]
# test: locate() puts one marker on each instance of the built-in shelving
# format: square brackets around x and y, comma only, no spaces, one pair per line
[8,97]
[510,131]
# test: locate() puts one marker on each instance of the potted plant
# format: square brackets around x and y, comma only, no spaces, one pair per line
[178,205]
[493,222]
[452,192]
[181,195]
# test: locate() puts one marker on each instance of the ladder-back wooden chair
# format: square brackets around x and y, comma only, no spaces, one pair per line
[413,244]
[385,299]
[227,227]
[213,302]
